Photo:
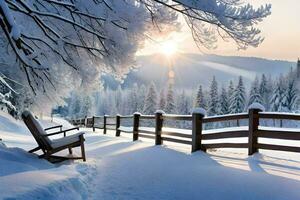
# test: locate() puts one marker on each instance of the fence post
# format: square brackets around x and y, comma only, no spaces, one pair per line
[158,126]
[118,123]
[85,121]
[197,117]
[136,122]
[253,127]
[94,124]
[104,124]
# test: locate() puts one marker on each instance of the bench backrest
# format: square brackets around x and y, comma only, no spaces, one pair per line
[36,130]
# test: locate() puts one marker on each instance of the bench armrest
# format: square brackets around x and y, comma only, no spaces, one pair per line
[53,127]
[63,131]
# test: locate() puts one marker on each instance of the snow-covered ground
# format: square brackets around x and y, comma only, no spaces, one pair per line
[118,168]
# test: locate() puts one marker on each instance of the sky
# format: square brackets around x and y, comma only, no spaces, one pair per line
[281,31]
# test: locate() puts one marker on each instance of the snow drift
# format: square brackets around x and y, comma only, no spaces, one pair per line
[118,168]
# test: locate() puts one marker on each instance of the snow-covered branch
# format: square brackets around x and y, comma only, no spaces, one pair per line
[226,18]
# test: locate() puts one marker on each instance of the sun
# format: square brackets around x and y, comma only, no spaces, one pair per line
[168,48]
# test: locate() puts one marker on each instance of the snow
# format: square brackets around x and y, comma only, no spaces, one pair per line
[141,129]
[126,128]
[160,111]
[66,140]
[230,115]
[256,106]
[283,113]
[118,168]
[201,111]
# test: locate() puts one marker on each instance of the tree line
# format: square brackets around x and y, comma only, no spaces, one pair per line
[279,95]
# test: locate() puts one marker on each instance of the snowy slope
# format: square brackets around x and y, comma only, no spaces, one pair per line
[118,168]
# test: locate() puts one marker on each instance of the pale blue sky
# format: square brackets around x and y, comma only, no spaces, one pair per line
[281,31]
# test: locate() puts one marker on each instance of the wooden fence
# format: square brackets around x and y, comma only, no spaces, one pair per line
[197,135]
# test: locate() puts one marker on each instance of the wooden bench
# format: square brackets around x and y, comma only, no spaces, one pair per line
[51,146]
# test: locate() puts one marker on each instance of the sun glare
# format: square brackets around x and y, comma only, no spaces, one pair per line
[168,48]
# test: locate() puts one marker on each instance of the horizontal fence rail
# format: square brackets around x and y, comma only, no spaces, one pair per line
[197,137]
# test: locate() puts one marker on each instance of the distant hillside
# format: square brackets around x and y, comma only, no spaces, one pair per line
[194,69]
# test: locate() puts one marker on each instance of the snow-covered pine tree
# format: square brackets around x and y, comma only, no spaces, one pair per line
[105,103]
[278,100]
[74,105]
[264,91]
[170,104]
[254,96]
[133,99]
[238,101]
[141,98]
[125,107]
[183,107]
[162,100]
[291,96]
[97,102]
[151,100]
[230,92]
[200,98]
[224,102]
[112,106]
[119,99]
[230,88]
[213,106]
[86,106]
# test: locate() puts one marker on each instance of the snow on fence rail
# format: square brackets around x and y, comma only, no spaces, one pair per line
[197,135]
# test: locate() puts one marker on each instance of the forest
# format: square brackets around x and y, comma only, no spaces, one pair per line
[277,94]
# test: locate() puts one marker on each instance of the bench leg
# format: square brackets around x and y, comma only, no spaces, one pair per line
[70,151]
[82,148]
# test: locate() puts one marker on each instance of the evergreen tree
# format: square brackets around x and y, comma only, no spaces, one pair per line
[255,96]
[119,99]
[98,102]
[224,102]
[151,100]
[264,91]
[200,99]
[133,99]
[105,103]
[230,92]
[278,100]
[183,107]
[162,100]
[263,87]
[86,105]
[238,101]
[141,98]
[170,106]
[112,106]
[74,106]
[291,96]
[213,100]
